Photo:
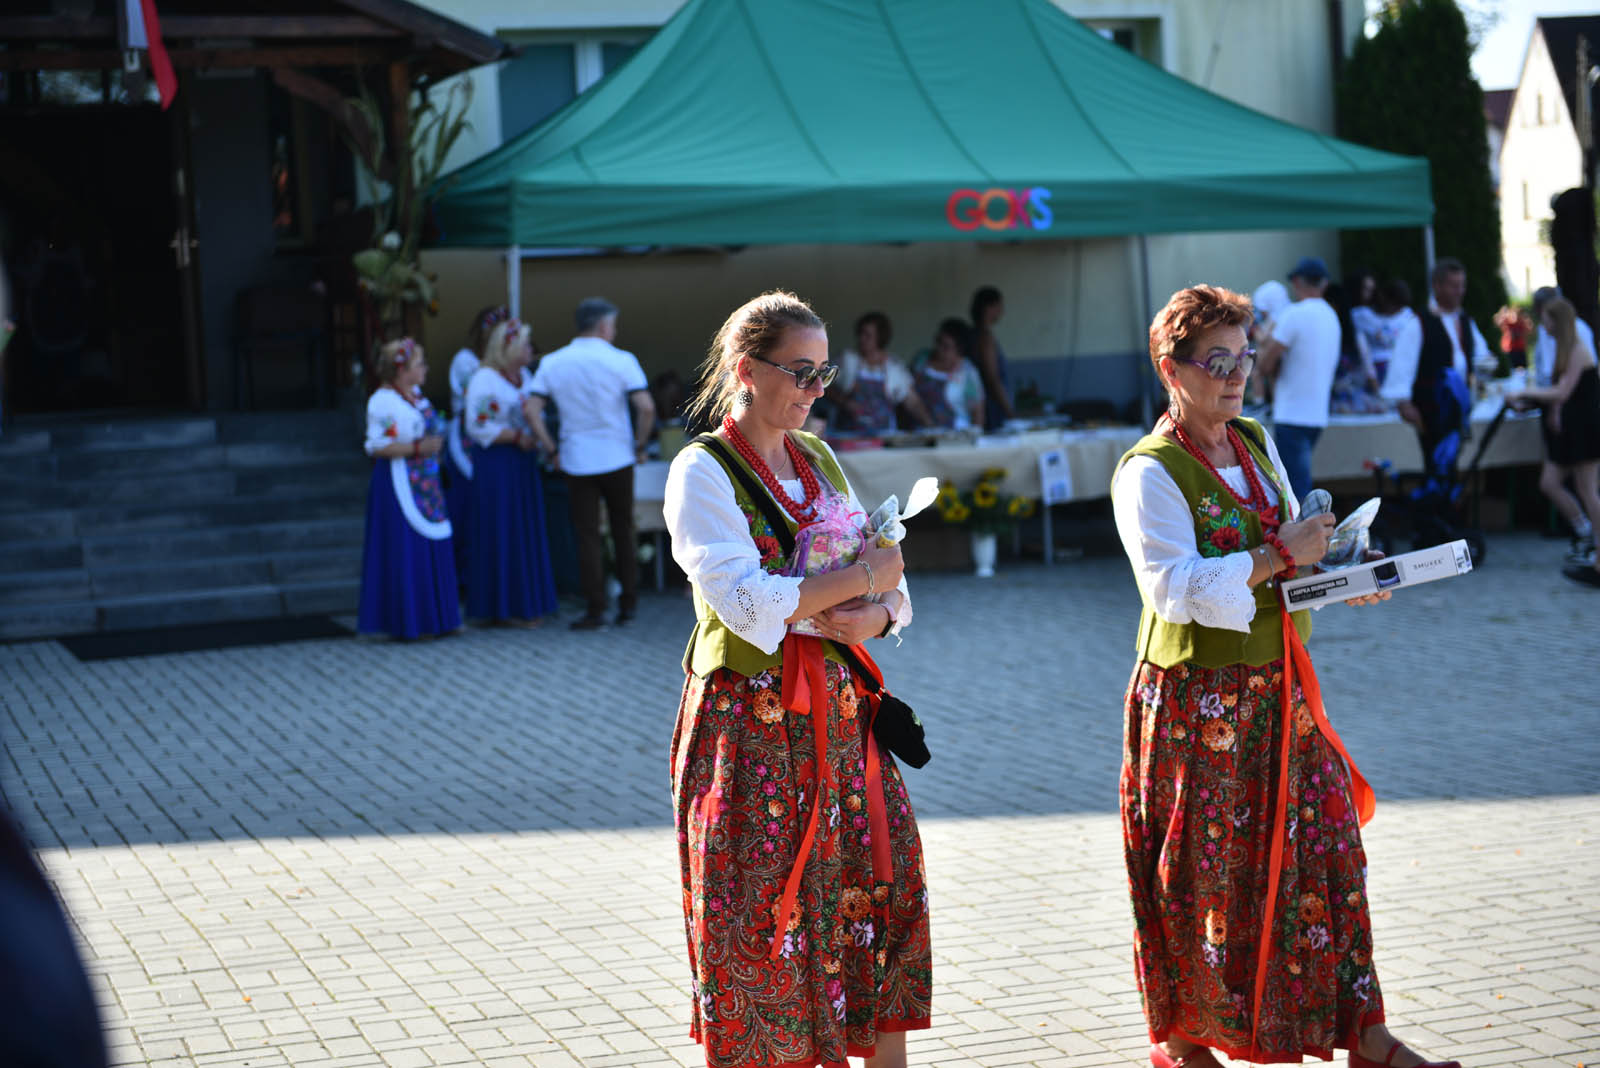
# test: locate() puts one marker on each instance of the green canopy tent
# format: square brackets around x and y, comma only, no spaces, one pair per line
[782,121]
[856,121]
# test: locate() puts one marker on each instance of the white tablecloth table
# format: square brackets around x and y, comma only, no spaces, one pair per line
[1092,455]
[1351,440]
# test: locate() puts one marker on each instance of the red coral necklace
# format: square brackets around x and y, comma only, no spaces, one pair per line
[1257,501]
[805,510]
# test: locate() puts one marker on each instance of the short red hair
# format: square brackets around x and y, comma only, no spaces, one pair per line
[1190,313]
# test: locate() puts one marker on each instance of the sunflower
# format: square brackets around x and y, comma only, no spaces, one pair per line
[1015,505]
[993,474]
[985,495]
[958,513]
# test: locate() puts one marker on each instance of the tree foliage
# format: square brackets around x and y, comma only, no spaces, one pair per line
[1408,88]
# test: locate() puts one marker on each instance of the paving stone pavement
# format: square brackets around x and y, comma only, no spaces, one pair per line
[342,853]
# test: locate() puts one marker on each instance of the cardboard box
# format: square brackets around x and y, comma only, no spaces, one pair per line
[1390,573]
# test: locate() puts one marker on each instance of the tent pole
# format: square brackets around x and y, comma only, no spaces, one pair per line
[1427,250]
[514,281]
[1146,386]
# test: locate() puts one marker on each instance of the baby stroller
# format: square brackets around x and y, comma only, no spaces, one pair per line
[1437,504]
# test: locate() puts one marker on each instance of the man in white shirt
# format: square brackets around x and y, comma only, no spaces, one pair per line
[595,387]
[1467,346]
[1301,360]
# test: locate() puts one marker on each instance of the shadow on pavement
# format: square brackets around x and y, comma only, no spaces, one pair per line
[1468,688]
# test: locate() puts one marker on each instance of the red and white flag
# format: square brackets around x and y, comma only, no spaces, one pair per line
[144,31]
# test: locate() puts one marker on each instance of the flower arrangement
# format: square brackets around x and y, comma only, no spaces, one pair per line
[983,508]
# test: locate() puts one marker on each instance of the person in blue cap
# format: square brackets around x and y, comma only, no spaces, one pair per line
[1301,360]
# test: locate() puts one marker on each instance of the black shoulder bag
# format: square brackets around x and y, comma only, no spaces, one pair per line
[894,725]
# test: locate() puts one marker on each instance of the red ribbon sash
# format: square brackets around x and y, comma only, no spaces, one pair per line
[805,691]
[1296,662]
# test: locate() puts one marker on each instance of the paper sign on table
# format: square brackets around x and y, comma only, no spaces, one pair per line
[1055,475]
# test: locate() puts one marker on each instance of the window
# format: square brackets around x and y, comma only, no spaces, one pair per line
[550,72]
[1141,36]
[77,88]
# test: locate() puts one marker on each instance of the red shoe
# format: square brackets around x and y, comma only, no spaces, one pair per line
[1358,1061]
[1160,1058]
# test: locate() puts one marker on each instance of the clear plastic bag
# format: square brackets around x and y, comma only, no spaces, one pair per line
[1350,540]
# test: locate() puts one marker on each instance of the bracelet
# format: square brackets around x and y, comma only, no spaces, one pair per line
[871,581]
[1272,539]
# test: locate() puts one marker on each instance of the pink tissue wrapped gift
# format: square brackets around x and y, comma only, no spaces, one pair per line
[831,543]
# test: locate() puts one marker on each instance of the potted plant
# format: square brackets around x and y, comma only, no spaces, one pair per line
[402,179]
[985,511]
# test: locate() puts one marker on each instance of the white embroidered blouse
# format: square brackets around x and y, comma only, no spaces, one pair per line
[494,405]
[711,542]
[391,419]
[1157,533]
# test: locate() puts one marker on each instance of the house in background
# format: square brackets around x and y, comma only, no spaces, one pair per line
[1496,109]
[1548,146]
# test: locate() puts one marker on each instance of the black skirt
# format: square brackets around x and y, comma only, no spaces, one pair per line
[1579,439]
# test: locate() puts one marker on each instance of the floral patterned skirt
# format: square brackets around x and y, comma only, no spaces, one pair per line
[1199,774]
[855,959]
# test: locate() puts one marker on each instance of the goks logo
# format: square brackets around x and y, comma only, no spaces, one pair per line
[1000,209]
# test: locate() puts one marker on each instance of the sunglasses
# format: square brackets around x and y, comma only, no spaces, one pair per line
[1220,363]
[809,376]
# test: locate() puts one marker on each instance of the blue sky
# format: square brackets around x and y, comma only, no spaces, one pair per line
[1498,60]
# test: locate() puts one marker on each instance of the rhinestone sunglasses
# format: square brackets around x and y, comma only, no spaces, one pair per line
[1220,363]
[808,376]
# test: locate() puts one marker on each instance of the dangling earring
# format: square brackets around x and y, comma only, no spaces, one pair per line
[746,398]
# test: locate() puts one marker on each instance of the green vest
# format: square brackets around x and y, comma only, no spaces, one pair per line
[1220,527]
[713,644]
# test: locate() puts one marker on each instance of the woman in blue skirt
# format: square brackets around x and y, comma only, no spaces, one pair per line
[509,579]
[457,458]
[408,570]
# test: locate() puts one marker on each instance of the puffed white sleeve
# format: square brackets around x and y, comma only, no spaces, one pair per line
[711,542]
[1157,533]
[461,369]
[898,382]
[485,420]
[384,426]
[902,611]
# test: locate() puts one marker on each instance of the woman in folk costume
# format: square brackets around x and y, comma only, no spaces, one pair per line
[509,579]
[457,454]
[1241,811]
[803,888]
[408,572]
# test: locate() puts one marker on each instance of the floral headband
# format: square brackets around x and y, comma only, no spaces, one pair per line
[405,349]
[495,317]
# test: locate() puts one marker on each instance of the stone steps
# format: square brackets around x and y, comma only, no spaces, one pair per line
[244,569]
[175,608]
[123,523]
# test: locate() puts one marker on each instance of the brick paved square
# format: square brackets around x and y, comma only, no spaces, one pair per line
[339,853]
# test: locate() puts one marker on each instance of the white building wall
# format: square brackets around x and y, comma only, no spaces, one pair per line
[1539,158]
[1065,298]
